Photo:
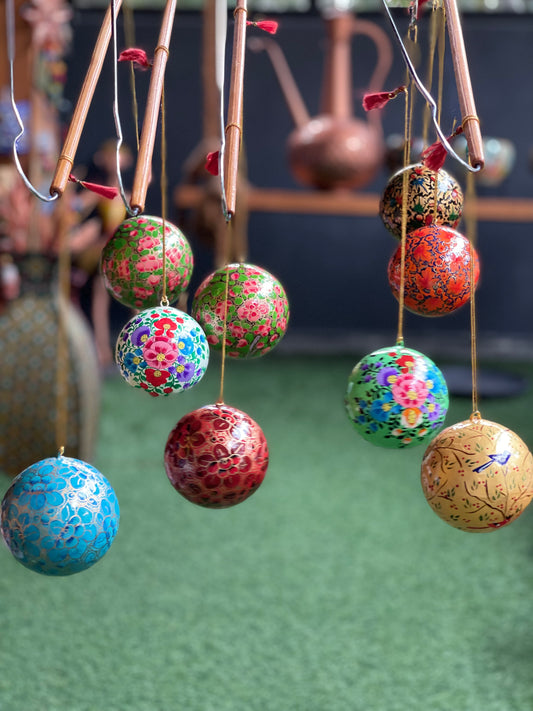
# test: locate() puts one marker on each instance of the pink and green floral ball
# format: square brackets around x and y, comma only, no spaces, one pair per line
[257,310]
[162,350]
[396,397]
[132,262]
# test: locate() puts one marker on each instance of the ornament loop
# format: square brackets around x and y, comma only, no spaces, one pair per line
[476,416]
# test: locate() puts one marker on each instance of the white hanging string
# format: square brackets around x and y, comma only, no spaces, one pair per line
[10,31]
[221,28]
[427,96]
[116,114]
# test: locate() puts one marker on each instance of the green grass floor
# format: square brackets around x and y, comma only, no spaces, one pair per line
[334,588]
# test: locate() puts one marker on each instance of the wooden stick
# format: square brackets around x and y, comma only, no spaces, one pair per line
[70,146]
[469,116]
[235,101]
[143,168]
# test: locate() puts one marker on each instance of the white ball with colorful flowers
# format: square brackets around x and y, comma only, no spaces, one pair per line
[162,350]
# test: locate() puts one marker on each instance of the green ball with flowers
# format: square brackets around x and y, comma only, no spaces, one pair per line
[396,397]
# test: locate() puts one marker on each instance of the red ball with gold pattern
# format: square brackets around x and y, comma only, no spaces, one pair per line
[216,456]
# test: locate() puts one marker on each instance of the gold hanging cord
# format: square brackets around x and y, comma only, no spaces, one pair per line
[151,114]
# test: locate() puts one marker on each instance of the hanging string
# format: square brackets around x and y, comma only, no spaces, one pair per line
[427,96]
[431,61]
[10,32]
[442,52]
[62,360]
[224,332]
[471,233]
[441,42]
[116,113]
[129,35]
[405,198]
[164,187]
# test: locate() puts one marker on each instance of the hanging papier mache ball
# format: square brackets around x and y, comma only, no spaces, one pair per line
[216,456]
[396,397]
[162,350]
[437,271]
[477,475]
[423,185]
[257,310]
[59,516]
[132,262]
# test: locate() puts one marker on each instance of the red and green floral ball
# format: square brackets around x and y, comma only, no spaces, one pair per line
[422,183]
[437,271]
[257,310]
[132,262]
[216,456]
[162,350]
[396,397]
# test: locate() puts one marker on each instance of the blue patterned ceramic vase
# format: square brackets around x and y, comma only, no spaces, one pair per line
[162,350]
[396,397]
[59,516]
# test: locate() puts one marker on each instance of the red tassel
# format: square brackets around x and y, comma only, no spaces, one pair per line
[135,55]
[434,156]
[421,4]
[267,25]
[102,190]
[211,163]
[380,98]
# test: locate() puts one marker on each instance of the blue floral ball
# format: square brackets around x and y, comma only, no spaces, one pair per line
[396,397]
[162,350]
[59,516]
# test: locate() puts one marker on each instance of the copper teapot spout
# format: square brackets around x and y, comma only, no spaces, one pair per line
[289,88]
[334,150]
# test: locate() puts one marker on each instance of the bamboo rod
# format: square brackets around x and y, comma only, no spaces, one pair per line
[70,146]
[235,101]
[146,146]
[470,120]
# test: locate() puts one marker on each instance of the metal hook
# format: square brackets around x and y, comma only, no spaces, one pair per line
[427,96]
[116,115]
[10,28]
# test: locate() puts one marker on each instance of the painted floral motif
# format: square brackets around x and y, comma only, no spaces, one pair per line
[216,456]
[422,184]
[396,397]
[257,310]
[59,516]
[132,262]
[162,350]
[437,271]
[477,475]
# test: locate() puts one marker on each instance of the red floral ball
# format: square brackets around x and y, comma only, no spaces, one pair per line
[216,456]
[437,271]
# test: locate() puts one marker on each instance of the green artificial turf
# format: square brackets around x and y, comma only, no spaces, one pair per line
[334,588]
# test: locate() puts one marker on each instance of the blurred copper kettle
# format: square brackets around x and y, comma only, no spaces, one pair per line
[334,150]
